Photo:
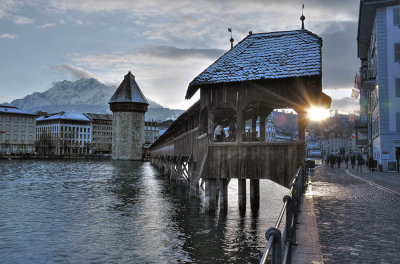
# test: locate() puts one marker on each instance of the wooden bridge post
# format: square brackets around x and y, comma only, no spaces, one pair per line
[255,194]
[242,193]
[254,126]
[302,123]
[263,116]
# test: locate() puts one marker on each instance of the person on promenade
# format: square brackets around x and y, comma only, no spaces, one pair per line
[360,162]
[353,161]
[332,160]
[371,164]
[346,159]
[339,161]
[219,133]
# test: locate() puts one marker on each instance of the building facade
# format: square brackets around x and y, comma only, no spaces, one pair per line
[17,131]
[129,106]
[151,132]
[337,142]
[379,52]
[63,134]
[101,133]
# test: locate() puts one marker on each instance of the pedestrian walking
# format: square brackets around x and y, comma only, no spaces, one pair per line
[360,162]
[339,161]
[346,159]
[353,161]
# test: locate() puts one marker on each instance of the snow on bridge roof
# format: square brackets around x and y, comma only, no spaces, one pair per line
[265,56]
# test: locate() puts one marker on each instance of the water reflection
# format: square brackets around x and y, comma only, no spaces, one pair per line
[121,212]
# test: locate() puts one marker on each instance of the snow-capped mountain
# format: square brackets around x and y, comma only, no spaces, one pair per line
[84,95]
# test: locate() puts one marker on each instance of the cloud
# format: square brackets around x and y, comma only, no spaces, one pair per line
[346,104]
[8,36]
[71,71]
[161,71]
[6,6]
[179,53]
[47,25]
[20,20]
[339,61]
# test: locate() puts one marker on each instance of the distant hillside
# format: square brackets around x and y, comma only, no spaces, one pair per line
[84,95]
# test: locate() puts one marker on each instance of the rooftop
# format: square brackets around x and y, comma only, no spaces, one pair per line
[65,116]
[128,92]
[14,110]
[260,56]
[99,116]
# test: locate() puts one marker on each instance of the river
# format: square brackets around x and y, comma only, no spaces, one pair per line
[79,211]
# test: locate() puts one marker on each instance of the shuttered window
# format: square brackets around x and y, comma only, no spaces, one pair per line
[396,17]
[397,87]
[398,122]
[397,52]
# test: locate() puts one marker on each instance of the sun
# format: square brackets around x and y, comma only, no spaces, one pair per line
[317,113]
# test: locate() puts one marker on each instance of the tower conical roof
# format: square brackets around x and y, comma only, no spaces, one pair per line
[128,92]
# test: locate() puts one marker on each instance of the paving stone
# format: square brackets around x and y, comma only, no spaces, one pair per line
[357,222]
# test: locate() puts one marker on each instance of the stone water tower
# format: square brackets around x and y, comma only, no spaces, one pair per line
[129,106]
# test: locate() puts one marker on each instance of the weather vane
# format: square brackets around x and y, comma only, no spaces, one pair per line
[302,16]
[231,40]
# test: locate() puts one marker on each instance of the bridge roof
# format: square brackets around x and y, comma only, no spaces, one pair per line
[260,56]
[128,92]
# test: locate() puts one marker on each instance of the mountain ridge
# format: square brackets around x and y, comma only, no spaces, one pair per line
[84,95]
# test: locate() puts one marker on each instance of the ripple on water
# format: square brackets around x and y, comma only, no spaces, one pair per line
[115,211]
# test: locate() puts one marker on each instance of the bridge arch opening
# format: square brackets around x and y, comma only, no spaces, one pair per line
[226,117]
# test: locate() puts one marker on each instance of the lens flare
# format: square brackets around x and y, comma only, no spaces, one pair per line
[317,113]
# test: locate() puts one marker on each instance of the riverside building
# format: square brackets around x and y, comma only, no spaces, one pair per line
[379,51]
[101,133]
[63,134]
[17,130]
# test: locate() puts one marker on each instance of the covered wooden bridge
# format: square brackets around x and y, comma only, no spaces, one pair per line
[261,73]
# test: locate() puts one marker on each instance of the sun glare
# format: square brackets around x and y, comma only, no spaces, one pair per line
[318,113]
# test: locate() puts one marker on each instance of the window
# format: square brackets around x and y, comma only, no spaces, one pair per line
[7,128]
[396,17]
[8,118]
[15,137]
[397,52]
[23,119]
[23,137]
[15,128]
[16,119]
[30,129]
[397,85]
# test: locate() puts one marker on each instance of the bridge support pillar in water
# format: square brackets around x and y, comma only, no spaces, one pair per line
[255,194]
[223,194]
[242,193]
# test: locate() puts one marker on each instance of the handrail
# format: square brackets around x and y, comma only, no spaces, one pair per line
[290,205]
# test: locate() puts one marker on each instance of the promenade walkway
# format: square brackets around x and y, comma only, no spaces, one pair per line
[357,216]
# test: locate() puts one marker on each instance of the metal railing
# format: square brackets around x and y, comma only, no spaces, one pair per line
[278,242]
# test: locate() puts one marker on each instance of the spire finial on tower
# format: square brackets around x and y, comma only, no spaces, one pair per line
[302,18]
[231,40]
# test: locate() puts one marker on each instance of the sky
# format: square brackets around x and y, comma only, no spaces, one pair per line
[165,44]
